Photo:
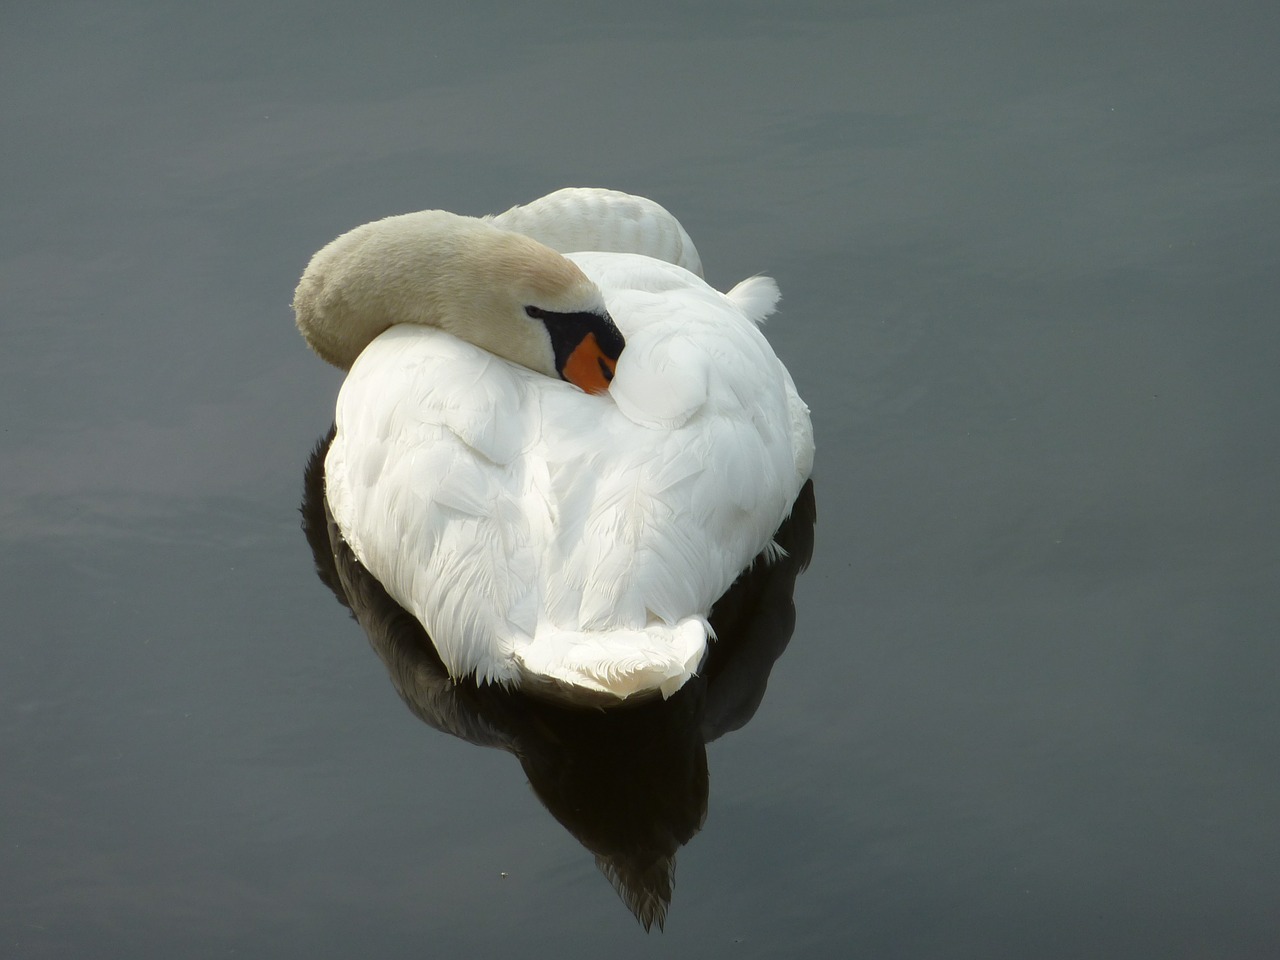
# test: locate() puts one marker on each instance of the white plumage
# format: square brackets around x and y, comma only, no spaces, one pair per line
[566,542]
[606,221]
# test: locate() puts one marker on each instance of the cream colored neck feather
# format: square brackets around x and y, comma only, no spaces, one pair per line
[438,269]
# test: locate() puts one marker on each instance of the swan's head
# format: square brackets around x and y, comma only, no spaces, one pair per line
[502,291]
[529,304]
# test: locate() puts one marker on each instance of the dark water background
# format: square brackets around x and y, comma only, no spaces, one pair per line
[1030,259]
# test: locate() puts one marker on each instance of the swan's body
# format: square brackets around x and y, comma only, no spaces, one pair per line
[567,542]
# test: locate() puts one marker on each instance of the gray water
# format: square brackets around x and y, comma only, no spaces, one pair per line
[1028,254]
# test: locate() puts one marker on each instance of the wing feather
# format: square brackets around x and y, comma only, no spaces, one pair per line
[585,218]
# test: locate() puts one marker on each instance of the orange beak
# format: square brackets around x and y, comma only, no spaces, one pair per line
[588,367]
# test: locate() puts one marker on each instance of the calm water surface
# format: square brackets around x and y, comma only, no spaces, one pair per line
[1028,253]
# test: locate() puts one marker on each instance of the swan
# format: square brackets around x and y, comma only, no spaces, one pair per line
[555,446]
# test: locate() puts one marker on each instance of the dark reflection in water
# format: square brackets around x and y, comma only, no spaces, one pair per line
[629,783]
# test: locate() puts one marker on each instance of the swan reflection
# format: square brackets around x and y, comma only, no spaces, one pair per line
[629,783]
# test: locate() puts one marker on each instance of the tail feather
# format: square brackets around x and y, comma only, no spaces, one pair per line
[614,665]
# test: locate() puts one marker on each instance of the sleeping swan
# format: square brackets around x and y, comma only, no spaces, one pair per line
[556,461]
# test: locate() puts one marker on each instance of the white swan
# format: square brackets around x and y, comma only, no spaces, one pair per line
[557,463]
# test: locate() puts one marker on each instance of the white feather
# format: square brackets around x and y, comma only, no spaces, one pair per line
[568,542]
[587,218]
[757,297]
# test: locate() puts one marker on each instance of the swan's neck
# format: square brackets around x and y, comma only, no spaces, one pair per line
[432,268]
